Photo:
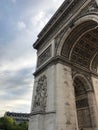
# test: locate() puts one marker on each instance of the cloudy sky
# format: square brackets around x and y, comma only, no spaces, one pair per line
[20,23]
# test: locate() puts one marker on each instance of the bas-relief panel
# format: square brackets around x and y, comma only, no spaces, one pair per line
[40,98]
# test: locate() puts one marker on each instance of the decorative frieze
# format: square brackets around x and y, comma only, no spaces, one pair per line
[71,7]
[40,98]
[44,56]
[90,8]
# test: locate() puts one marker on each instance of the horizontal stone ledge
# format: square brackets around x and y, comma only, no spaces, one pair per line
[42,113]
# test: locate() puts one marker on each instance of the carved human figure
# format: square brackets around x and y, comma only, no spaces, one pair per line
[41,95]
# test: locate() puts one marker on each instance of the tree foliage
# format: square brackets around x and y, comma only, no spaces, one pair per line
[8,123]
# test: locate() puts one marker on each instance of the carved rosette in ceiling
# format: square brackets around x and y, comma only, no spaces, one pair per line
[40,98]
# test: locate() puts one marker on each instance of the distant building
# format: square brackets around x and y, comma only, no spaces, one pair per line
[18,117]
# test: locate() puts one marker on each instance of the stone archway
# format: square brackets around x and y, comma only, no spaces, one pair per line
[80,44]
[83,105]
[67,51]
[80,49]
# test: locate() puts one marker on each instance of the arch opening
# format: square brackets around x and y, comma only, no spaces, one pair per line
[85,49]
[81,45]
[82,104]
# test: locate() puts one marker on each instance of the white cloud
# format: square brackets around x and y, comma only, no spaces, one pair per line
[58,1]
[21,25]
[35,20]
[39,21]
[2,93]
[54,0]
[18,55]
[21,104]
[13,97]
[18,64]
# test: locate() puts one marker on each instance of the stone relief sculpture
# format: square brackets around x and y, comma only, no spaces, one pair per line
[41,95]
[44,56]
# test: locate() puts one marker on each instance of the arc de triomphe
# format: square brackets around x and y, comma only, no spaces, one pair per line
[65,94]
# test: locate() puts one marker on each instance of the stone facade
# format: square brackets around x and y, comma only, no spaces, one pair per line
[65,94]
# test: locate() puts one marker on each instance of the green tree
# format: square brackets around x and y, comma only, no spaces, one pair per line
[23,126]
[9,124]
[2,123]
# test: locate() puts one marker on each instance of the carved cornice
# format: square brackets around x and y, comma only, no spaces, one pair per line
[62,60]
[64,13]
[54,18]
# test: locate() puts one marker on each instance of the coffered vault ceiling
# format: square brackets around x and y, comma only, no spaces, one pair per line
[85,49]
[82,45]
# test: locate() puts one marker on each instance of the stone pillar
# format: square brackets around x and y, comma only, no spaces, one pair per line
[65,99]
[93,110]
[44,119]
[60,113]
[94,100]
[36,122]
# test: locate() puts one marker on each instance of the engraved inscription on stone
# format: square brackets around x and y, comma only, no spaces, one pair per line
[44,56]
[41,95]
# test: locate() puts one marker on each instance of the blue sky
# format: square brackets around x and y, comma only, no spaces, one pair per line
[20,23]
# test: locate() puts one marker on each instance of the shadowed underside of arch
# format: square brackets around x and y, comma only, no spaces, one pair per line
[81,46]
[82,103]
[80,80]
